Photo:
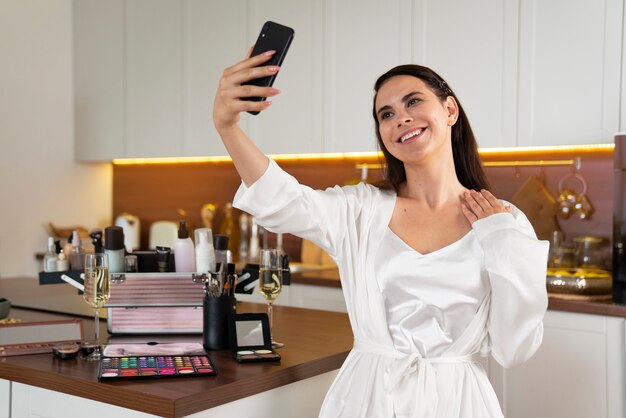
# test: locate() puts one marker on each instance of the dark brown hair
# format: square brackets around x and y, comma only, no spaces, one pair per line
[464,147]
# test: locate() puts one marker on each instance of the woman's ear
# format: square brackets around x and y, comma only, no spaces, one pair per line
[453,110]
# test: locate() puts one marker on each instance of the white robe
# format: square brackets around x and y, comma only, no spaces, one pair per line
[378,379]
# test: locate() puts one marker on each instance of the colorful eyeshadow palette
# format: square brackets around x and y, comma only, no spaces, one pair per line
[155,366]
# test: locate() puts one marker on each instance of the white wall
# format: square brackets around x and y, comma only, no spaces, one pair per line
[39,180]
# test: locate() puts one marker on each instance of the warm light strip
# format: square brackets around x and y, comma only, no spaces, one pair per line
[363,155]
[527,163]
[278,157]
[546,149]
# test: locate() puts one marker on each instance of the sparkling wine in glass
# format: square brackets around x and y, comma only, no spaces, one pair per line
[270,282]
[97,292]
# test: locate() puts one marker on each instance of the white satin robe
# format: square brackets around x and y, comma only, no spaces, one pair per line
[419,321]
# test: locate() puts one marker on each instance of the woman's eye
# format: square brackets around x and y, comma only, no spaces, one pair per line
[385,115]
[412,102]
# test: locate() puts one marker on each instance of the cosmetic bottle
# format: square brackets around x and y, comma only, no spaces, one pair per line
[77,255]
[50,258]
[67,247]
[229,228]
[63,263]
[222,253]
[253,249]
[96,240]
[205,253]
[184,254]
[114,248]
[243,243]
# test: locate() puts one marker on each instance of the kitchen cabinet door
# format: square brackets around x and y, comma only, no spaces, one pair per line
[569,71]
[99,80]
[362,40]
[578,372]
[473,46]
[293,124]
[154,78]
[215,37]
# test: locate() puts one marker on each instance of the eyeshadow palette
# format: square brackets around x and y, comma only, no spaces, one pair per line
[155,366]
[256,355]
[250,339]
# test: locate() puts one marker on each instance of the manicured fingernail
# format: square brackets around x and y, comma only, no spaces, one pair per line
[275,91]
[269,53]
[273,69]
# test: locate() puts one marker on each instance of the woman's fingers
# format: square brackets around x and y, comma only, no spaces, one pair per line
[249,62]
[232,89]
[478,205]
[246,74]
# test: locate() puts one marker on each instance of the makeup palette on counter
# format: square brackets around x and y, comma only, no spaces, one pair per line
[250,338]
[155,366]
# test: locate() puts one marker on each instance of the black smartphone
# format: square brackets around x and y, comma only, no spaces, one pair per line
[275,37]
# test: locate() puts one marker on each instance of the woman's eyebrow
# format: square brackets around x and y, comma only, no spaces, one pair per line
[405,98]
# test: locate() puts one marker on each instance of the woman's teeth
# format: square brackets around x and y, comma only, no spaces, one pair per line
[410,135]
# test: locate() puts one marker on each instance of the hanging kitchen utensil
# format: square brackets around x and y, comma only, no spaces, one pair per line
[539,206]
[571,202]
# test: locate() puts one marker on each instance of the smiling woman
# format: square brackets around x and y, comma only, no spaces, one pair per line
[433,267]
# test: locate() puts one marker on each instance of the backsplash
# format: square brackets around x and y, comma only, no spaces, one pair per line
[168,191]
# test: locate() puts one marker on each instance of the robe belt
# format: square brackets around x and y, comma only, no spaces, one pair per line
[414,363]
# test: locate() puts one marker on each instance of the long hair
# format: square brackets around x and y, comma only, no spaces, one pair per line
[464,147]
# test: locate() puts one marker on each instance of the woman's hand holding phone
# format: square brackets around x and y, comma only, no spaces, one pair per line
[228,102]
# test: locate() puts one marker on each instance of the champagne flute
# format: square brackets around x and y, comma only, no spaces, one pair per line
[97,292]
[270,281]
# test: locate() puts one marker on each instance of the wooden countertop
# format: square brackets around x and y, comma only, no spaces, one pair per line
[316,342]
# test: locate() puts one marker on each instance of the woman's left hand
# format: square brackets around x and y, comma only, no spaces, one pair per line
[479,205]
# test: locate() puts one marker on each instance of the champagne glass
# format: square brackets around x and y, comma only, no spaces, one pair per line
[97,292]
[270,281]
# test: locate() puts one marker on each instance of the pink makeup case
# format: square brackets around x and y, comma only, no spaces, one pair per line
[155,303]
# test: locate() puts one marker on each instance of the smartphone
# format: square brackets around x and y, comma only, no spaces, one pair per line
[275,37]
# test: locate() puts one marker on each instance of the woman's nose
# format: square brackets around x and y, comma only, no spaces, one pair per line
[404,119]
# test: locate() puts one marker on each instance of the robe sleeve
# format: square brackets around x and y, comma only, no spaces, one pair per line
[280,204]
[516,263]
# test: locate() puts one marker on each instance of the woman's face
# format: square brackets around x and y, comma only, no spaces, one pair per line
[413,122]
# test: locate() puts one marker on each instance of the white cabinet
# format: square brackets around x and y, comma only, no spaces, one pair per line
[214,38]
[99,75]
[5,398]
[578,372]
[305,396]
[569,71]
[473,46]
[527,72]
[363,39]
[154,78]
[293,124]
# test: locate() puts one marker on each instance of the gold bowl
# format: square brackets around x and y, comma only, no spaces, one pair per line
[579,281]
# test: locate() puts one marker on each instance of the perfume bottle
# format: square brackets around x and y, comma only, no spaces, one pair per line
[50,258]
[77,255]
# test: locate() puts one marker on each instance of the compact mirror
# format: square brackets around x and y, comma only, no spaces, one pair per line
[250,339]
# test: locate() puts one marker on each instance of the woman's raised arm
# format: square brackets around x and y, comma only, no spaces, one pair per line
[249,161]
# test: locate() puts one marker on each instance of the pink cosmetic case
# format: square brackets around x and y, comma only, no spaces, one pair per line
[155,303]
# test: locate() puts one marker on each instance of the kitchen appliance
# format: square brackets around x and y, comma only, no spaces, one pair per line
[619,219]
[132,228]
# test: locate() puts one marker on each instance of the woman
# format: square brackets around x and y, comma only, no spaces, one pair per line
[435,271]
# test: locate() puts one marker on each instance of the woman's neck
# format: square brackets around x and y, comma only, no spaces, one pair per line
[433,183]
